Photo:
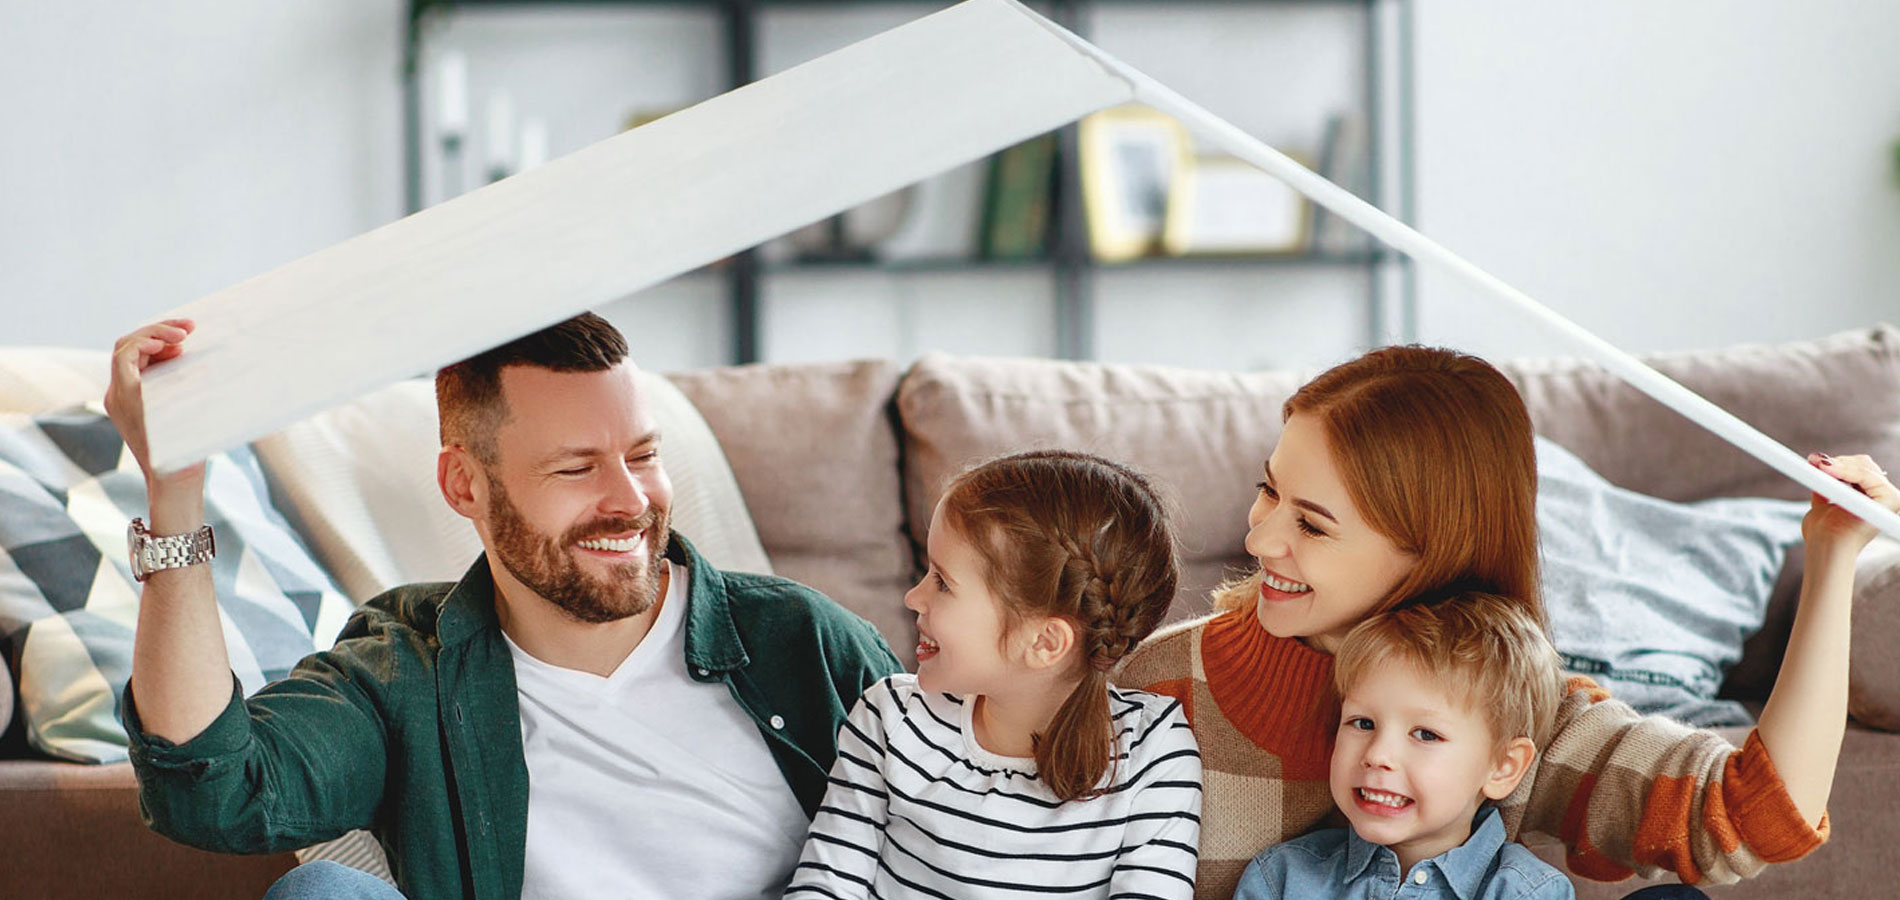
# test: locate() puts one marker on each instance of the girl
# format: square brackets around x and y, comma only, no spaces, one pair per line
[1008,766]
[1409,472]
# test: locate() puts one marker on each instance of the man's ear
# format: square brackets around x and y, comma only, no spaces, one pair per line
[1509,768]
[1050,641]
[464,485]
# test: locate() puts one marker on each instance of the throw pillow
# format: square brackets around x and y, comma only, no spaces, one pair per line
[68,603]
[1651,598]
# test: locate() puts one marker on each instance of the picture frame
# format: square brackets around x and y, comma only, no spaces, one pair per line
[1131,159]
[1223,205]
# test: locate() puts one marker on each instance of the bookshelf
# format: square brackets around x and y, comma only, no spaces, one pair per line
[1072,271]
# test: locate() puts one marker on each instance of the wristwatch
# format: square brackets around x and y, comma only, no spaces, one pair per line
[150,552]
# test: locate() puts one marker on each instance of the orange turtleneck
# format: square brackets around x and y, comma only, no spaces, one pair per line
[1277,691]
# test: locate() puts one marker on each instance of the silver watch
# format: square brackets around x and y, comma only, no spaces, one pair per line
[150,552]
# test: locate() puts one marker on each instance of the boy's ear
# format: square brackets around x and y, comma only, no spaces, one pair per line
[1050,641]
[1509,768]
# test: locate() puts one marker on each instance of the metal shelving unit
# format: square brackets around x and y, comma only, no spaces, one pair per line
[1070,264]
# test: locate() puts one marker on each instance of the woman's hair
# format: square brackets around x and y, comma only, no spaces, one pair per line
[1483,650]
[1080,538]
[1434,447]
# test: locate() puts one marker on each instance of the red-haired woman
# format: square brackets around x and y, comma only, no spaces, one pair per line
[1408,473]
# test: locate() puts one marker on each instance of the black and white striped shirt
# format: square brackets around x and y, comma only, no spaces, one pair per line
[917,808]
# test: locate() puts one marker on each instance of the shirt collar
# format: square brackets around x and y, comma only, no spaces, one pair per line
[1464,866]
[712,641]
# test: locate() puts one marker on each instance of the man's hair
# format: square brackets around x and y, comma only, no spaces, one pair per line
[1483,650]
[468,397]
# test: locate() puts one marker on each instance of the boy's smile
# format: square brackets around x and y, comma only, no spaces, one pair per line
[1412,763]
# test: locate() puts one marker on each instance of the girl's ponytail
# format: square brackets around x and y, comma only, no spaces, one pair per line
[1076,750]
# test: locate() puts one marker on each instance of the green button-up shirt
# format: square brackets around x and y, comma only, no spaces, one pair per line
[410,726]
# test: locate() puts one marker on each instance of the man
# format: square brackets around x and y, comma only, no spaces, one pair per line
[593,710]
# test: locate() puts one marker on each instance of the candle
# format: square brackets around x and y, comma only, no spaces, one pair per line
[501,136]
[451,76]
[534,143]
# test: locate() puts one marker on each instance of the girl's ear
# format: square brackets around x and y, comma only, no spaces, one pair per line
[1510,767]
[1051,640]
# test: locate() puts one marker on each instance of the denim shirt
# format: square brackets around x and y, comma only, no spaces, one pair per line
[1338,863]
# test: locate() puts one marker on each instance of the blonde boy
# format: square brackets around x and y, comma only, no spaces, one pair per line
[1444,707]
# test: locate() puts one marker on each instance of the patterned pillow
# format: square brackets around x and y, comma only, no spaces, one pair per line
[68,603]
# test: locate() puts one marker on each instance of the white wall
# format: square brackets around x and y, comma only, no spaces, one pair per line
[153,152]
[1669,175]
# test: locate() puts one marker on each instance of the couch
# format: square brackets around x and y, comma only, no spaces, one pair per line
[826,473]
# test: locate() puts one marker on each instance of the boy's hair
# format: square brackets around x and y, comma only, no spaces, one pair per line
[468,397]
[1080,538]
[1480,648]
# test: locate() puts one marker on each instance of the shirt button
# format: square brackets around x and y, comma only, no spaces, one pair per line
[1418,876]
[778,721]
[702,672]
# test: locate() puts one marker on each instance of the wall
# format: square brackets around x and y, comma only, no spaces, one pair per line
[1674,175]
[1669,175]
[153,152]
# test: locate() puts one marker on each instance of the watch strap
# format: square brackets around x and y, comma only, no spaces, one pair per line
[153,553]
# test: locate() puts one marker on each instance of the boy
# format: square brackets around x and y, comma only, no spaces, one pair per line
[1445,705]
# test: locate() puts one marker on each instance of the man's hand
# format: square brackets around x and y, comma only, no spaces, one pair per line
[125,398]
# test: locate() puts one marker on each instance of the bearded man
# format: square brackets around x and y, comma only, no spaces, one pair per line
[592,710]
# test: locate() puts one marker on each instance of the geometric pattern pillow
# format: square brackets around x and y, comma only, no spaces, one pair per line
[68,604]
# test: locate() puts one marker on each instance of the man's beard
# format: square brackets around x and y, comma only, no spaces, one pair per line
[548,567]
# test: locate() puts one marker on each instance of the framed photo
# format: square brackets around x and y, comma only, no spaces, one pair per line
[1224,205]
[1131,159]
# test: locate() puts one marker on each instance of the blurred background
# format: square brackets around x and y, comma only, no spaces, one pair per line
[1670,176]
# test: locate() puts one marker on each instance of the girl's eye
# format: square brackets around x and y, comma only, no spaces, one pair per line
[1357,723]
[942,588]
[1425,734]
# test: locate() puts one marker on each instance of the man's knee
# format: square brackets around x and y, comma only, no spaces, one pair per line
[328,879]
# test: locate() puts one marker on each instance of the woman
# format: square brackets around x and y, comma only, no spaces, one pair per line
[1409,472]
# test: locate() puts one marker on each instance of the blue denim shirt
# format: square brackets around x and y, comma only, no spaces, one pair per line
[1338,863]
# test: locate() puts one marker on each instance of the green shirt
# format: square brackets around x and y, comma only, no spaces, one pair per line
[410,726]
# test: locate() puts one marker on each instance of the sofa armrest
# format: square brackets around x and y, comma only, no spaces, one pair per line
[1873,680]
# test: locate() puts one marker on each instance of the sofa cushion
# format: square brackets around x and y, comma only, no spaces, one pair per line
[358,480]
[1873,670]
[67,599]
[1200,435]
[1653,599]
[815,453]
[1840,394]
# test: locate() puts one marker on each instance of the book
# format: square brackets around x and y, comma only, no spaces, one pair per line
[1017,200]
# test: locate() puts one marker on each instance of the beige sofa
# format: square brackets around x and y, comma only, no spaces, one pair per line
[837,466]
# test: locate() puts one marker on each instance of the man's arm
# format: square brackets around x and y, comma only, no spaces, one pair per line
[180,671]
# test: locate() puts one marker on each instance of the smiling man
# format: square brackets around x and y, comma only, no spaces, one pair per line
[592,710]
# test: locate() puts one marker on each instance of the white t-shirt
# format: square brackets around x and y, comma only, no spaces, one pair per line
[646,783]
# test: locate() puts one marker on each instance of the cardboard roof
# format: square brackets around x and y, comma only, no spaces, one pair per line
[707,182]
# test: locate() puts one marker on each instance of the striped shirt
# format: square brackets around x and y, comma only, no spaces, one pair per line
[917,808]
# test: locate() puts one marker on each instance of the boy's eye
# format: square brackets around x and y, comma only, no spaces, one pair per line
[1426,734]
[1357,723]
[577,470]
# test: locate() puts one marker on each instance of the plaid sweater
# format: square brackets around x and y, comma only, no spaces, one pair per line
[1626,793]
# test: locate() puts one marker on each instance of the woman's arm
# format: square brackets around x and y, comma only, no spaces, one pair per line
[1806,715]
[1633,793]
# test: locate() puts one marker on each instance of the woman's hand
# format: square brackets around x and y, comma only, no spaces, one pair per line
[125,399]
[1829,526]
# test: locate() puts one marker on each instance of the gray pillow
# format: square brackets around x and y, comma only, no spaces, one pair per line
[1652,598]
[68,603]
